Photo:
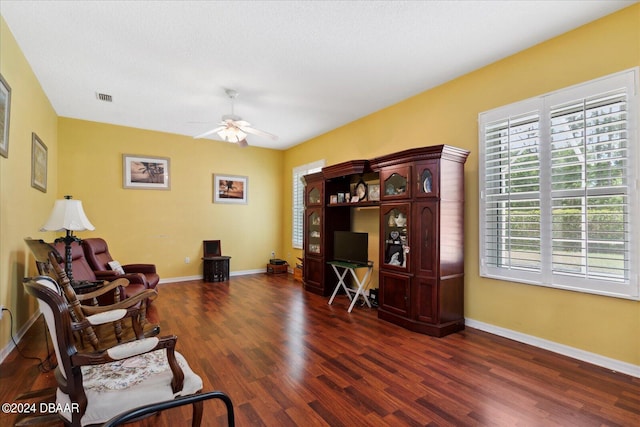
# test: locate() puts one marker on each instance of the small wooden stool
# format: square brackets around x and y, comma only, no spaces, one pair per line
[216,268]
[277,268]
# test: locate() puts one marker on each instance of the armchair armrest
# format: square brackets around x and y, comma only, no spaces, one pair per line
[139,268]
[132,348]
[104,275]
[100,315]
[135,349]
[107,316]
[109,275]
[102,290]
[147,294]
[134,308]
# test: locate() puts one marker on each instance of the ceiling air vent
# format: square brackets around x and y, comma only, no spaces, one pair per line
[104,97]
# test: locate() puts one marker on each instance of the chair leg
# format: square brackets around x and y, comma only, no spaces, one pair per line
[197,413]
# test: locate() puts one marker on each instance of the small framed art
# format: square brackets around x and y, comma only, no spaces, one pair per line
[374,192]
[230,189]
[5,114]
[361,191]
[38,163]
[145,172]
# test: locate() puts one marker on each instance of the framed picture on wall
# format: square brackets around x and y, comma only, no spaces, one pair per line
[5,113]
[230,189]
[145,172]
[38,163]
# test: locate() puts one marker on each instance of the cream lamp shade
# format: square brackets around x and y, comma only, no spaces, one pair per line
[67,214]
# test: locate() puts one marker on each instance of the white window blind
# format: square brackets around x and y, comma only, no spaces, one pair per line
[558,178]
[512,192]
[298,200]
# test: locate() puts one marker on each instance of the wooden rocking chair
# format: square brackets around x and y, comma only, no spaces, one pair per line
[94,387]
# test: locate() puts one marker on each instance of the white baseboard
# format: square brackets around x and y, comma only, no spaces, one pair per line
[18,336]
[245,272]
[199,277]
[179,279]
[585,356]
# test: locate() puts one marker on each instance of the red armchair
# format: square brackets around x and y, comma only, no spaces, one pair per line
[82,271]
[97,253]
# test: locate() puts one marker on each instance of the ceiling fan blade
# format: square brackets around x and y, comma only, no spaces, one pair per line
[254,131]
[219,128]
[243,143]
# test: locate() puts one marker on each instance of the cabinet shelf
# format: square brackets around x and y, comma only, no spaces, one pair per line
[354,205]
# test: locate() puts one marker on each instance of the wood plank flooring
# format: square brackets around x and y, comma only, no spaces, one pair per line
[287,358]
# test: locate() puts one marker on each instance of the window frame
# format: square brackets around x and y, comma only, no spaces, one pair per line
[297,200]
[628,288]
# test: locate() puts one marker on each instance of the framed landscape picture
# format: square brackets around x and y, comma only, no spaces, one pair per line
[145,172]
[230,189]
[38,163]
[5,113]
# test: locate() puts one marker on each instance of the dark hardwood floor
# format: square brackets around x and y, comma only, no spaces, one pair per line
[287,358]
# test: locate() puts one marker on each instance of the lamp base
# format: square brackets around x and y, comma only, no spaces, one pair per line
[68,258]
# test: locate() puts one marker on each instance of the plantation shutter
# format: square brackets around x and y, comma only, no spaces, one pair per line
[298,200]
[589,182]
[512,193]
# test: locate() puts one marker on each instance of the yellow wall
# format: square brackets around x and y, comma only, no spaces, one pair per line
[22,208]
[166,226]
[448,115]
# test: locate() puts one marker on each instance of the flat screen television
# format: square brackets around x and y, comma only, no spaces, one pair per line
[352,247]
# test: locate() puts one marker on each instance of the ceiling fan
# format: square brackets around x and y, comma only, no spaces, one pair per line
[233,129]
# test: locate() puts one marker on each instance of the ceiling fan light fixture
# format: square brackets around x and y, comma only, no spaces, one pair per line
[231,134]
[233,128]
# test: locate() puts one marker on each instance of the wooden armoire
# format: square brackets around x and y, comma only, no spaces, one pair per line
[420,195]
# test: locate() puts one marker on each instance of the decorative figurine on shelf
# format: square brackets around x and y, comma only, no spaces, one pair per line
[401,220]
[390,190]
[395,255]
[395,259]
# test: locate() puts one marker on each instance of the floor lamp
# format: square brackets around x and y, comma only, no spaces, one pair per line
[69,216]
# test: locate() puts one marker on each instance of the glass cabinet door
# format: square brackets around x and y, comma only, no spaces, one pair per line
[314,196]
[428,177]
[395,239]
[314,232]
[395,182]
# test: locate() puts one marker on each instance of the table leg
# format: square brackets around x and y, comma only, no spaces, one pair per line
[360,290]
[340,283]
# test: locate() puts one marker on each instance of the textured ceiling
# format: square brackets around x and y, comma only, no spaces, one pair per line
[301,68]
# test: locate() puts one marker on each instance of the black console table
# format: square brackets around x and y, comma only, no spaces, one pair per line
[216,268]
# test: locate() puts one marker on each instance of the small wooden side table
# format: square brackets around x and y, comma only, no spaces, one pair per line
[277,268]
[216,268]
